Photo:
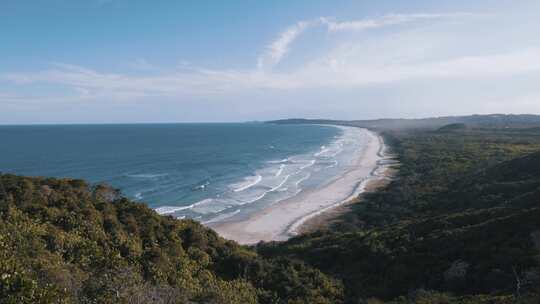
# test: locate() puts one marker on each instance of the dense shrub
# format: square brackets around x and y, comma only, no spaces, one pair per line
[63,241]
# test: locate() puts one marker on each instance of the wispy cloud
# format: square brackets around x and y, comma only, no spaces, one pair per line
[278,48]
[344,66]
[142,64]
[386,20]
[89,84]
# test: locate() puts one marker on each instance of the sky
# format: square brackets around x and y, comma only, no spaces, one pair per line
[128,61]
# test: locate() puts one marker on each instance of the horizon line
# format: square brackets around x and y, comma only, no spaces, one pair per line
[253,121]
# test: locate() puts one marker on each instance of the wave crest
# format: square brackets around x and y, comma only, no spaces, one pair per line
[257,180]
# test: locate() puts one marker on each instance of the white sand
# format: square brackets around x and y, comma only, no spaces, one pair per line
[281,221]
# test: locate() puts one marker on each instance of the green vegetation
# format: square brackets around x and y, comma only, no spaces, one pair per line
[453,127]
[62,241]
[495,121]
[460,223]
[457,225]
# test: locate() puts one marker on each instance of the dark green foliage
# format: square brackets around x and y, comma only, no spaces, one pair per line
[453,127]
[460,218]
[64,241]
[494,121]
[435,167]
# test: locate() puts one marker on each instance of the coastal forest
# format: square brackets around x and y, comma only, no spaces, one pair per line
[458,223]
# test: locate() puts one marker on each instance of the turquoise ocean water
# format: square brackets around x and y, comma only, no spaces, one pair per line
[204,171]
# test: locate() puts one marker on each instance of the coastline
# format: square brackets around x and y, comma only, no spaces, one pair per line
[381,176]
[285,219]
[328,217]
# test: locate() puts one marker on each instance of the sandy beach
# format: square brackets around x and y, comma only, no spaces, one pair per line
[284,219]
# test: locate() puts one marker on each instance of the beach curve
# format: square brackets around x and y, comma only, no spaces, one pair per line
[281,220]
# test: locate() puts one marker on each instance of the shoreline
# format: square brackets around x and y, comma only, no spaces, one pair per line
[282,220]
[368,184]
[327,218]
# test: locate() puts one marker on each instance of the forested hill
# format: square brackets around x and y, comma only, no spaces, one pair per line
[459,224]
[485,121]
[63,241]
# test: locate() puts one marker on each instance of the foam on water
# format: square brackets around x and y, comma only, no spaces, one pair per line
[173,209]
[278,161]
[298,182]
[251,181]
[334,163]
[281,167]
[311,163]
[282,179]
[281,184]
[322,151]
[146,175]
[202,186]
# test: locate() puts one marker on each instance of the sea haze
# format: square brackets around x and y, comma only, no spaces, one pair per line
[209,172]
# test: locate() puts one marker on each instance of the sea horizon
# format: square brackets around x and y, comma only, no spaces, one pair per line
[133,123]
[178,170]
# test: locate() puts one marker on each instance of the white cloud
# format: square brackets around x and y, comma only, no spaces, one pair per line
[349,64]
[386,20]
[90,84]
[276,50]
[350,74]
[142,65]
[279,47]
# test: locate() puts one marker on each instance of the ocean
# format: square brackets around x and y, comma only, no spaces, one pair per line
[208,172]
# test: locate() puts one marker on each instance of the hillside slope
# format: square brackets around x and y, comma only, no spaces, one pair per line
[513,184]
[460,224]
[62,241]
[500,121]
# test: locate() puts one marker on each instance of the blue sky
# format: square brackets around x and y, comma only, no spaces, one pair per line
[115,61]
